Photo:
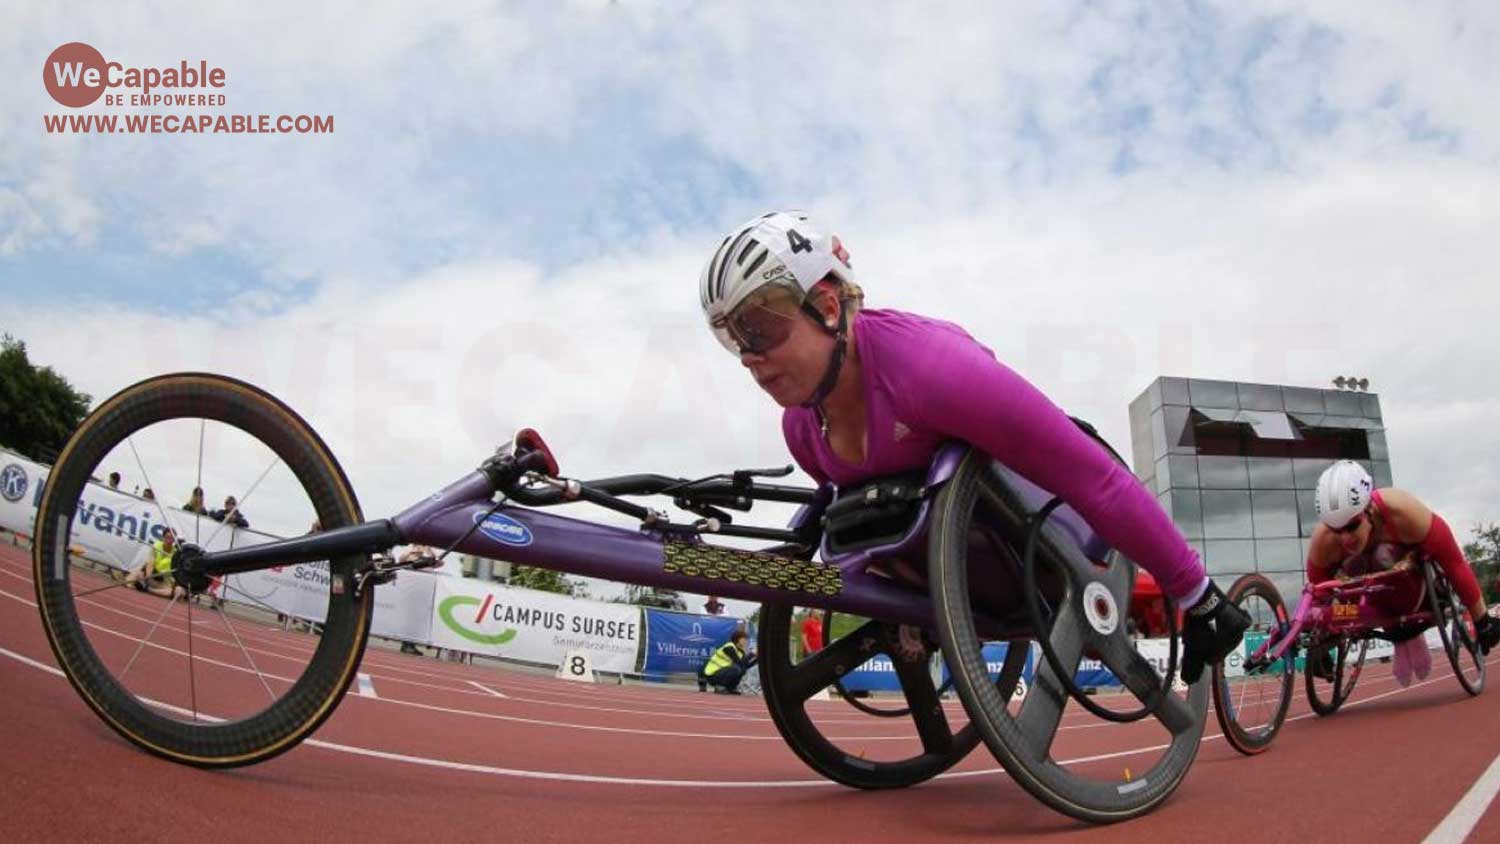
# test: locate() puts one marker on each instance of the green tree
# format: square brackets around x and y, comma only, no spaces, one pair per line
[1484,555]
[39,409]
[545,580]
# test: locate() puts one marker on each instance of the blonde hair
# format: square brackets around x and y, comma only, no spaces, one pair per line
[851,294]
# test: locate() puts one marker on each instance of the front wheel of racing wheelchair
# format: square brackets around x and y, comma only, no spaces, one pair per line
[1333,668]
[234,686]
[1251,708]
[1089,603]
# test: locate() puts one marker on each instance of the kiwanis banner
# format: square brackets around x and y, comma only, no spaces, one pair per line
[524,624]
[111,527]
[681,642]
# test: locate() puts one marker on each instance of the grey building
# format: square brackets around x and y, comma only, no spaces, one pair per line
[1235,466]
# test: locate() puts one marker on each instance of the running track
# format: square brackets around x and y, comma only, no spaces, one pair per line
[445,752]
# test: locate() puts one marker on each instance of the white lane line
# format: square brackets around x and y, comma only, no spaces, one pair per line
[26,660]
[588,778]
[367,686]
[488,689]
[1455,828]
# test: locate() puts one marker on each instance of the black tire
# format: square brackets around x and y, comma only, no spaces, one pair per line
[1261,698]
[1324,696]
[311,696]
[1456,629]
[1022,742]
[787,686]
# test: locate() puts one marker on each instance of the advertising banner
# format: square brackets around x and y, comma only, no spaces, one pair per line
[681,642]
[879,675]
[111,527]
[487,618]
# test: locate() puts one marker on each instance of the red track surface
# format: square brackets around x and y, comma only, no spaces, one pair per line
[642,763]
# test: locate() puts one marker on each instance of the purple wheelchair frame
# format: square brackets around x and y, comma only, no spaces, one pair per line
[526,535]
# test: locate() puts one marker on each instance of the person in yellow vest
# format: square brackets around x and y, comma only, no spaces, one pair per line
[727,666]
[154,575]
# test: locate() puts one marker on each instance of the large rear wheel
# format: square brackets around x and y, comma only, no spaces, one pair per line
[1091,604]
[1456,629]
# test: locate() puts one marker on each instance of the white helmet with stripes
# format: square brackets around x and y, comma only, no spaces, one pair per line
[782,247]
[1344,491]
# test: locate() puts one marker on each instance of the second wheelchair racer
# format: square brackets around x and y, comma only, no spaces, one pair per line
[1363,530]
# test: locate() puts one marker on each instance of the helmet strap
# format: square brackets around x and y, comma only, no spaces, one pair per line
[835,359]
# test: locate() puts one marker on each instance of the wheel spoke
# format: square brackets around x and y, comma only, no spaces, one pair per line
[192,675]
[1138,675]
[198,522]
[1042,711]
[256,601]
[154,498]
[240,501]
[926,708]
[1119,578]
[149,634]
[117,585]
[234,634]
[821,669]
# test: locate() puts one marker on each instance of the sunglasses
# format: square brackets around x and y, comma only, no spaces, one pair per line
[1353,525]
[762,322]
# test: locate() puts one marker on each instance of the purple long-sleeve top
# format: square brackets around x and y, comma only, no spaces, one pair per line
[927,381]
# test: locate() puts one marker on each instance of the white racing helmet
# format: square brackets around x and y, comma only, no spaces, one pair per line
[1344,491]
[783,248]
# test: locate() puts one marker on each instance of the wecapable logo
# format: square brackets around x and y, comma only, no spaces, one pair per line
[472,630]
[76,75]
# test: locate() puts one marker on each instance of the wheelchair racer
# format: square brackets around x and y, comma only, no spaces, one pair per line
[1363,530]
[867,393]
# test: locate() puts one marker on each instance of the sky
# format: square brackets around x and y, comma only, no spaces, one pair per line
[506,226]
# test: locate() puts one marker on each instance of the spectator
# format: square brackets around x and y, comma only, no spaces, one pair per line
[713,606]
[231,513]
[154,575]
[812,633]
[114,480]
[148,494]
[195,502]
[727,666]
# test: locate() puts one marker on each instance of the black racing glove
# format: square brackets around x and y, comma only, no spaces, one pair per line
[1488,631]
[1213,628]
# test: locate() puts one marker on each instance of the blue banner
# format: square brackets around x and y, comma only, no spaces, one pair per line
[879,675]
[681,642]
[876,675]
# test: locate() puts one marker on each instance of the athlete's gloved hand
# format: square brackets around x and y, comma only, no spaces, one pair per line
[1212,629]
[1488,630]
